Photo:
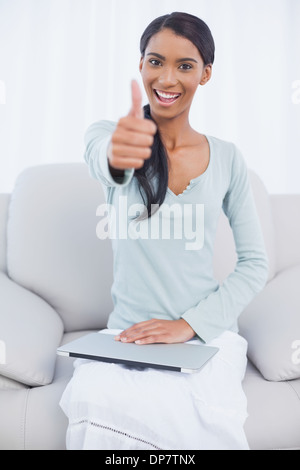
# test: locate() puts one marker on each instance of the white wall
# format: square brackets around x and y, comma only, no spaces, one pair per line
[68,63]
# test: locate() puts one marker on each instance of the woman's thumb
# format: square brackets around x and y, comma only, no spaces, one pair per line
[136,96]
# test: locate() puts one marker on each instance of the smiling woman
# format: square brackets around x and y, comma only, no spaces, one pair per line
[164,291]
[169,97]
[177,53]
[178,75]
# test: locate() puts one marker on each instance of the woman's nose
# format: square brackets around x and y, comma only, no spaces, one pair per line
[167,77]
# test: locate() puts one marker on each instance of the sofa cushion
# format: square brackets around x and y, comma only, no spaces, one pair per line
[274,412]
[53,249]
[31,419]
[271,325]
[31,331]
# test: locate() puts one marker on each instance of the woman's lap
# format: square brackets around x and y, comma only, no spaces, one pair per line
[110,406]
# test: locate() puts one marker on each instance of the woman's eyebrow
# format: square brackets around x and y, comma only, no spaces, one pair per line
[178,60]
[157,55]
[187,59]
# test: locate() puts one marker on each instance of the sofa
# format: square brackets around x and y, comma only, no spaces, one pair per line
[55,280]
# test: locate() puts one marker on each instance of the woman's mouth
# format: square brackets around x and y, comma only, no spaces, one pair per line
[166,98]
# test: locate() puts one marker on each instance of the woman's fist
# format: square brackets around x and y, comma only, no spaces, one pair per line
[133,138]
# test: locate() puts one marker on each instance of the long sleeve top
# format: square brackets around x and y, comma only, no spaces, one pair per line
[163,266]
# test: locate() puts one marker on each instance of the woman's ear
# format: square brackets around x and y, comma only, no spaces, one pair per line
[141,63]
[206,75]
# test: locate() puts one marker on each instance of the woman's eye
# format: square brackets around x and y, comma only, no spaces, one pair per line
[185,67]
[157,63]
[154,62]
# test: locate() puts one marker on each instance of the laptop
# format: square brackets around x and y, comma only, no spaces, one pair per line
[181,357]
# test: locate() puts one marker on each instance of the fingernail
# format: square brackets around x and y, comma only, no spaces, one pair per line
[117,338]
[138,342]
[124,338]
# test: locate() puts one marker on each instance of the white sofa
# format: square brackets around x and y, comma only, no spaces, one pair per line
[55,279]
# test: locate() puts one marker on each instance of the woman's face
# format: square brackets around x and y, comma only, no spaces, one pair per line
[172,69]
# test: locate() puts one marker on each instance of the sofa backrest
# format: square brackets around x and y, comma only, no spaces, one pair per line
[53,250]
[286,216]
[52,247]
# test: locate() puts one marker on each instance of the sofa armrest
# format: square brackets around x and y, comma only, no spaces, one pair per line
[4,203]
[30,332]
[285,211]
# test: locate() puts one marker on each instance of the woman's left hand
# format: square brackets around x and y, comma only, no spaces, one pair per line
[157,331]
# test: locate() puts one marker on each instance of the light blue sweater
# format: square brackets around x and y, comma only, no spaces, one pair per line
[163,266]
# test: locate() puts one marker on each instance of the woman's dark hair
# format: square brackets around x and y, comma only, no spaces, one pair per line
[196,31]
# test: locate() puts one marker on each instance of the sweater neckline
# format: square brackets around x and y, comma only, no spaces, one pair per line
[196,180]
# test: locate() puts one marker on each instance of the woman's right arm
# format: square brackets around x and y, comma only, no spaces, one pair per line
[114,151]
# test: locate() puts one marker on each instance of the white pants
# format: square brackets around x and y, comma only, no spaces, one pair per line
[113,407]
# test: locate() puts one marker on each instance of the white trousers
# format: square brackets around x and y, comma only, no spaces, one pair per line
[113,407]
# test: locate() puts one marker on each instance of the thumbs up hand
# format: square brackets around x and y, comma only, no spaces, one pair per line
[136,99]
[133,138]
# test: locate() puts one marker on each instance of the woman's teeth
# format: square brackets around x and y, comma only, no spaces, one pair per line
[167,97]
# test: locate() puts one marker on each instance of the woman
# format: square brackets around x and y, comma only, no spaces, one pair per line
[164,290]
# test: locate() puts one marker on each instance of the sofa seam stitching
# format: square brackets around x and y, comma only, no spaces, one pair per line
[23,424]
[288,382]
